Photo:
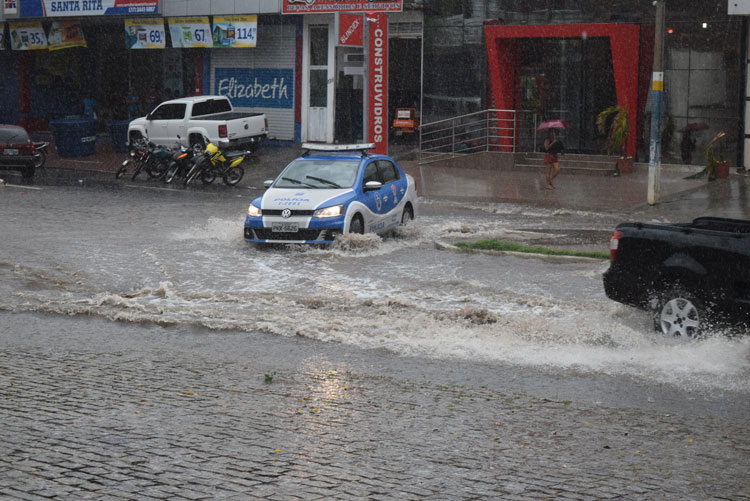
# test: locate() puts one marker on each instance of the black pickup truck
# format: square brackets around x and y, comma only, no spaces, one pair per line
[691,276]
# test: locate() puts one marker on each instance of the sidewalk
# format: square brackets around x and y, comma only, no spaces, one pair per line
[680,198]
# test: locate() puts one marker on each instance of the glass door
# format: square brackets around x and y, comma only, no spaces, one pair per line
[565,79]
[317,123]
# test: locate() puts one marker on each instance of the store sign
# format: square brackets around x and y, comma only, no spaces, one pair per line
[350,32]
[144,33]
[52,8]
[324,6]
[11,6]
[256,87]
[235,31]
[28,36]
[190,32]
[377,90]
[65,34]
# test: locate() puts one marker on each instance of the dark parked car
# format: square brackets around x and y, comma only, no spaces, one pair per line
[16,150]
[690,275]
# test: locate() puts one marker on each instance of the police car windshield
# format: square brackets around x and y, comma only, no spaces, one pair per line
[319,174]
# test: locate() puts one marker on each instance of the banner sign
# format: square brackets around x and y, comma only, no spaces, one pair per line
[51,8]
[65,34]
[28,36]
[377,90]
[350,32]
[11,7]
[326,6]
[256,87]
[190,32]
[145,33]
[235,31]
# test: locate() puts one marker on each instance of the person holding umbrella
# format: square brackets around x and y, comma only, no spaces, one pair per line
[552,148]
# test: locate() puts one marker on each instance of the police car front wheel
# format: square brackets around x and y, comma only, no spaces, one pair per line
[357,225]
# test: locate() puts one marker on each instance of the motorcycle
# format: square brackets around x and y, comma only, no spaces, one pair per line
[137,157]
[40,154]
[214,162]
[180,163]
[151,158]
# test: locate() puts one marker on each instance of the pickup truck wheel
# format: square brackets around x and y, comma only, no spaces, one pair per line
[197,144]
[679,314]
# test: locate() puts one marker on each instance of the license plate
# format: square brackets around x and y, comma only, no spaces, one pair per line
[10,151]
[285,227]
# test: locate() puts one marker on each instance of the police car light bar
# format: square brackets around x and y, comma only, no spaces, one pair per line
[337,147]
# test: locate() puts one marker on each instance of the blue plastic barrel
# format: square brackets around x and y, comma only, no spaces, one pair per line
[74,137]
[118,130]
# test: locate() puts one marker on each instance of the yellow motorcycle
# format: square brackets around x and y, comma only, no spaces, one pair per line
[213,162]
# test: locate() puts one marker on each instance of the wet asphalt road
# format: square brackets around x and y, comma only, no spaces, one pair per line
[129,376]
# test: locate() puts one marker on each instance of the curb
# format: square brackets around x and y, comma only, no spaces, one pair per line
[525,255]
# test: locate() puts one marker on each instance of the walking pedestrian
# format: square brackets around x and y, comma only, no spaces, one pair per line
[552,148]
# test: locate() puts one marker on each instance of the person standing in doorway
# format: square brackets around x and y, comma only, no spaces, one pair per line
[552,148]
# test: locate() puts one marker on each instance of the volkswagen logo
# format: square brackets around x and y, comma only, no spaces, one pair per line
[286,213]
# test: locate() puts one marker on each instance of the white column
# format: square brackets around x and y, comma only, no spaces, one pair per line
[746,157]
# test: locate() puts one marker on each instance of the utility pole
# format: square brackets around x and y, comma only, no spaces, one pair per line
[657,97]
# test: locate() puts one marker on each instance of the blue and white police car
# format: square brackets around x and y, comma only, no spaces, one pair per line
[329,191]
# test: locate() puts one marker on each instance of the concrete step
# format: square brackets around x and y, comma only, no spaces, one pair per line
[570,168]
[578,157]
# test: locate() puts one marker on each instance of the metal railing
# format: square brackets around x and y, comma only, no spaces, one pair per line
[488,130]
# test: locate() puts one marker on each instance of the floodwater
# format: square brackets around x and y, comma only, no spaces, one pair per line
[177,258]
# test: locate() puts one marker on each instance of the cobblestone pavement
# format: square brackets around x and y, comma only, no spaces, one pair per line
[144,412]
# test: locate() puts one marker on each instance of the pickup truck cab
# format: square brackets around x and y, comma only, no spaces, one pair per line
[189,120]
[692,276]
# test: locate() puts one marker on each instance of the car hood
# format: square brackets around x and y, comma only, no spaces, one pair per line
[303,198]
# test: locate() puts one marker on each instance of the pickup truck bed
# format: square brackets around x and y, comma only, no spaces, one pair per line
[695,273]
[228,115]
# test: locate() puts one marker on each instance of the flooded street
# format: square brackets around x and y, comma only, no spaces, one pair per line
[147,350]
[177,258]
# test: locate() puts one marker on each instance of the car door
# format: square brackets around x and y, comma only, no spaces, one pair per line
[176,126]
[393,191]
[160,120]
[373,199]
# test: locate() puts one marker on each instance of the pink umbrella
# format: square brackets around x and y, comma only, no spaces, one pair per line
[553,124]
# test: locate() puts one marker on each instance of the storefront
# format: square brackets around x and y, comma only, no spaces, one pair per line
[127,55]
[560,62]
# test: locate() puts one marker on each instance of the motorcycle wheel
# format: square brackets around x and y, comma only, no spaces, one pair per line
[208,176]
[123,169]
[233,175]
[155,169]
[138,167]
[192,174]
[39,158]
[171,172]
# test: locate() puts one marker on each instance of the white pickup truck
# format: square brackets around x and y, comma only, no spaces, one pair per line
[189,120]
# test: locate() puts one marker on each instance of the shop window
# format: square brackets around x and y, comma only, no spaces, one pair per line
[318,45]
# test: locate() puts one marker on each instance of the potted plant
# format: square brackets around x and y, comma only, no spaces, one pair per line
[617,135]
[716,165]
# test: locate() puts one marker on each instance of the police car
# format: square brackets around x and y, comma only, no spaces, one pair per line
[329,191]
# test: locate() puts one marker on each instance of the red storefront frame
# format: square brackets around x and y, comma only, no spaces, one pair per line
[503,63]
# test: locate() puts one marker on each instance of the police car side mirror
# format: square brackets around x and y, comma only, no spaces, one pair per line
[373,185]
[267,183]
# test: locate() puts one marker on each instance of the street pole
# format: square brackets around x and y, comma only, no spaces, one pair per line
[657,96]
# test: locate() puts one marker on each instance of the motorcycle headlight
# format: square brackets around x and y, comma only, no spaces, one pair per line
[254,211]
[332,211]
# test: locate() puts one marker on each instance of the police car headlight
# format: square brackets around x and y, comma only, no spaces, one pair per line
[332,211]
[254,211]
